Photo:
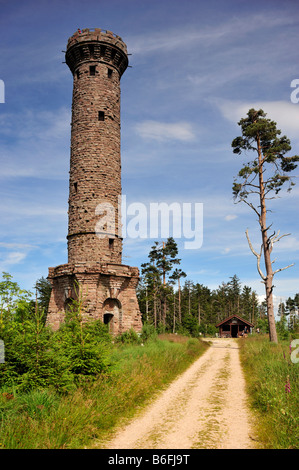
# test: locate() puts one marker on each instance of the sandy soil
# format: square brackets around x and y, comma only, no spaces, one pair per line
[204,408]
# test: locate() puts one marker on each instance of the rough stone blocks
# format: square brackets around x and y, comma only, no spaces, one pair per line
[97,59]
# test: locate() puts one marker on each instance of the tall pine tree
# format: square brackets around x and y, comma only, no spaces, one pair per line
[262,179]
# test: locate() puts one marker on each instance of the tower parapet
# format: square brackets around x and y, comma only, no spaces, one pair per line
[96,45]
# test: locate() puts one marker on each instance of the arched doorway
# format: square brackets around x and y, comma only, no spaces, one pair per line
[69,305]
[112,315]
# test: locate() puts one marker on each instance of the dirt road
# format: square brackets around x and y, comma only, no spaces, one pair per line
[204,408]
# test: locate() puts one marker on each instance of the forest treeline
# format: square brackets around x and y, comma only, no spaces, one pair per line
[170,301]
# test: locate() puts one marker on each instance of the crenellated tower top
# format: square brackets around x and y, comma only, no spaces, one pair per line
[96,45]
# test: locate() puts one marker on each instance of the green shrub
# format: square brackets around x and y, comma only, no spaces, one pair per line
[148,332]
[128,337]
[37,358]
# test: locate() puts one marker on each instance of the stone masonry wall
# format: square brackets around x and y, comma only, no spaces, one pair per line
[95,170]
[94,272]
[96,285]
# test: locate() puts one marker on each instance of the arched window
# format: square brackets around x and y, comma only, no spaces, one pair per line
[68,304]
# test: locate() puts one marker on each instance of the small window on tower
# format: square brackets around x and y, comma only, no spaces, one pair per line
[76,187]
[78,74]
[91,50]
[92,70]
[101,116]
[110,71]
[111,240]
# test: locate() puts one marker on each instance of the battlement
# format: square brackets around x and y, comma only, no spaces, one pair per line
[96,45]
[97,34]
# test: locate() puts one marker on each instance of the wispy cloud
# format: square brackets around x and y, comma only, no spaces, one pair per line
[162,131]
[14,257]
[211,34]
[16,245]
[230,217]
[13,254]
[35,144]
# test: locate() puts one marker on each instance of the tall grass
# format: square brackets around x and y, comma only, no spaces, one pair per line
[87,416]
[273,386]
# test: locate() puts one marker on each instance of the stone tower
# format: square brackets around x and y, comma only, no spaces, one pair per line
[97,60]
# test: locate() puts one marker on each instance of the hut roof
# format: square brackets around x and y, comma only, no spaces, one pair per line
[234,316]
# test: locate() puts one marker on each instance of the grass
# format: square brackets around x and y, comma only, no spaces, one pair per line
[86,417]
[273,386]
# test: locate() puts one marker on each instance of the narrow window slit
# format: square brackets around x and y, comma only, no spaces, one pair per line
[91,50]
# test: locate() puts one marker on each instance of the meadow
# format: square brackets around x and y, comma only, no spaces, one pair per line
[70,389]
[272,377]
[45,418]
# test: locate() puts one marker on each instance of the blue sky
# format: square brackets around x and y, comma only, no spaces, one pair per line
[196,69]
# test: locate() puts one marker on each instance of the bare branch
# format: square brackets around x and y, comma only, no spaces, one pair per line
[252,207]
[254,186]
[275,239]
[277,234]
[258,257]
[282,269]
[266,229]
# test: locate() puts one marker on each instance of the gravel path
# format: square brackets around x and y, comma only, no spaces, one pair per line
[204,408]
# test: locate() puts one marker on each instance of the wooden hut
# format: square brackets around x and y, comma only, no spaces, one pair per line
[234,327]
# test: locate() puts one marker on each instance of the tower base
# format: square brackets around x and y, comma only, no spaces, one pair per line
[107,292]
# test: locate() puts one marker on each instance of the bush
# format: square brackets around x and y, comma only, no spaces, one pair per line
[148,332]
[37,358]
[83,347]
[128,337]
[282,330]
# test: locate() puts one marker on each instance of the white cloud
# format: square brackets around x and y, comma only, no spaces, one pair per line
[14,257]
[285,114]
[12,253]
[230,217]
[162,131]
[15,245]
[284,285]
[38,144]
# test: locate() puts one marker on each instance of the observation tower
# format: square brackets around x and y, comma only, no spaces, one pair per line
[97,59]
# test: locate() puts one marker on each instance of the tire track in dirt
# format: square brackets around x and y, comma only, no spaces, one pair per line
[203,408]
